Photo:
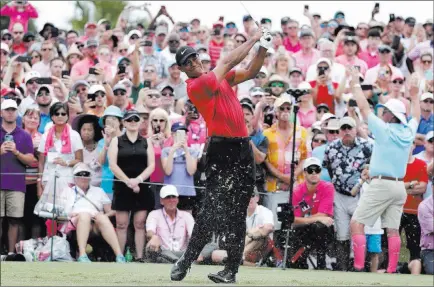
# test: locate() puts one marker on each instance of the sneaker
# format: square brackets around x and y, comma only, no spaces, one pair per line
[179,270]
[120,259]
[84,259]
[224,276]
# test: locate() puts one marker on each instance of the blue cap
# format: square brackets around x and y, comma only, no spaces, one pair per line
[178,126]
[111,111]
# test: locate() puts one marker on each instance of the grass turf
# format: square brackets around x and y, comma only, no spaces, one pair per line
[135,274]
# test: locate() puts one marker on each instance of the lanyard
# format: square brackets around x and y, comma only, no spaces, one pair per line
[253,220]
[172,232]
[76,194]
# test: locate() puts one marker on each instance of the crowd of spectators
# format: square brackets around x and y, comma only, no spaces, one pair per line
[107,109]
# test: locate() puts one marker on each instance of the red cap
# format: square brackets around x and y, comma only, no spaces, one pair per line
[88,24]
[397,75]
[218,23]
[6,91]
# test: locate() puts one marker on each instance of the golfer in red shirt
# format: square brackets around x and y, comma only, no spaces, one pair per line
[230,170]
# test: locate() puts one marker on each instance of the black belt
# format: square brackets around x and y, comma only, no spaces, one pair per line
[387,178]
[219,139]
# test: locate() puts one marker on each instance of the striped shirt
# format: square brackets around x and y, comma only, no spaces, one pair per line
[215,51]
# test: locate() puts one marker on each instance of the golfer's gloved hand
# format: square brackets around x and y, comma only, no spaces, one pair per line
[266,38]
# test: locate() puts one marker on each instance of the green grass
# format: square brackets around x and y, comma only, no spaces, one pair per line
[134,274]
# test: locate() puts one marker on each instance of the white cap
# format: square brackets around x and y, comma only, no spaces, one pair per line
[347,121]
[168,190]
[397,108]
[204,57]
[264,70]
[324,60]
[425,96]
[134,32]
[282,100]
[304,86]
[332,125]
[316,125]
[96,88]
[31,75]
[429,135]
[327,116]
[311,161]
[79,167]
[4,47]
[9,103]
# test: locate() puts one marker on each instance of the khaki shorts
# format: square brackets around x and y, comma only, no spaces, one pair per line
[383,198]
[12,203]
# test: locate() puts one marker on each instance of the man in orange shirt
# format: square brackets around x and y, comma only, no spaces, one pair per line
[415,180]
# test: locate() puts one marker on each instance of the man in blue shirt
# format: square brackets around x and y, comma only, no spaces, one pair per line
[44,98]
[386,194]
[426,121]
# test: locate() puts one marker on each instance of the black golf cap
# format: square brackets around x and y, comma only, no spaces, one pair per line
[183,53]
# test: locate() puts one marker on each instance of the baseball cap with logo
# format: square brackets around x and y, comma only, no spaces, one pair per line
[178,126]
[31,75]
[9,104]
[332,125]
[282,100]
[311,161]
[91,43]
[425,96]
[183,53]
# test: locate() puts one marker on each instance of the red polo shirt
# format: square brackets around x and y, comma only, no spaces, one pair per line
[323,96]
[415,171]
[214,51]
[218,105]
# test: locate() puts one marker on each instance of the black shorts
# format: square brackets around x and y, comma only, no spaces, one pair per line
[124,199]
[186,202]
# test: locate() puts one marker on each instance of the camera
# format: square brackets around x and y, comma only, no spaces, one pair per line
[297,93]
[285,214]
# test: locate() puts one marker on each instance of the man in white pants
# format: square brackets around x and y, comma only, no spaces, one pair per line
[386,194]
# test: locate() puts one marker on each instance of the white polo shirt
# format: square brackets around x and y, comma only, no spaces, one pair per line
[259,218]
[77,203]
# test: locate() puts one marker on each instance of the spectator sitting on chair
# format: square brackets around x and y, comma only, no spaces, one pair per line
[168,229]
[313,210]
[425,215]
[89,209]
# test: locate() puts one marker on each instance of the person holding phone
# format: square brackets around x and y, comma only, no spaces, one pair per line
[180,164]
[131,158]
[96,99]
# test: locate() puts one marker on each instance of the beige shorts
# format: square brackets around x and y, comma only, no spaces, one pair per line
[12,203]
[383,198]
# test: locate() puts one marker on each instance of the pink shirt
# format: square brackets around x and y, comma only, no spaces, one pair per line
[19,17]
[304,61]
[158,174]
[82,68]
[307,119]
[320,202]
[291,48]
[371,59]
[196,131]
[174,235]
[342,59]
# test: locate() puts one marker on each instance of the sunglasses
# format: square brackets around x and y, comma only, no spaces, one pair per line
[134,37]
[277,85]
[312,169]
[240,41]
[346,127]
[321,111]
[81,46]
[36,57]
[4,53]
[81,90]
[173,42]
[83,174]
[398,82]
[282,109]
[102,95]
[319,141]
[333,132]
[260,76]
[323,25]
[384,51]
[6,38]
[157,96]
[123,50]
[427,101]
[426,61]
[168,94]
[60,114]
[120,93]
[149,71]
[230,26]
[46,49]
[159,120]
[431,140]
[201,32]
[31,82]
[42,94]
[133,119]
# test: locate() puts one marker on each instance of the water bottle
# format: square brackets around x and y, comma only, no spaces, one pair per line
[356,189]
[128,255]
[330,88]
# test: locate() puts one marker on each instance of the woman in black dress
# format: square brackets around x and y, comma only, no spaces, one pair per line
[131,159]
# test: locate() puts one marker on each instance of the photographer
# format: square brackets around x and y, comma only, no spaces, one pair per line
[216,43]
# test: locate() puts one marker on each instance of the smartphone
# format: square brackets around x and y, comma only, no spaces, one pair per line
[321,72]
[366,87]
[44,81]
[24,59]
[392,17]
[377,6]
[9,138]
[306,7]
[146,43]
[12,85]
[121,69]
[91,97]
[95,61]
[357,67]
[65,73]
[222,18]
[147,84]
[352,103]
[92,71]
[157,130]
[180,136]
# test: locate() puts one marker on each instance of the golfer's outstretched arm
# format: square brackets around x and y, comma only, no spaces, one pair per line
[235,57]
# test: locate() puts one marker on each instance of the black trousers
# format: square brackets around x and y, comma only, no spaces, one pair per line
[410,223]
[230,173]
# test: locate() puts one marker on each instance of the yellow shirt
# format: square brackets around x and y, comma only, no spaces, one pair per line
[280,155]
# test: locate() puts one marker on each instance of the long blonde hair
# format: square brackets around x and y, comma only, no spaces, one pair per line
[159,112]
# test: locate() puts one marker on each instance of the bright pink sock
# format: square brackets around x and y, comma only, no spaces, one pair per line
[394,249]
[359,249]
